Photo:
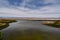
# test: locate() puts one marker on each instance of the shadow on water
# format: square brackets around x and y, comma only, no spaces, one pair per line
[30,30]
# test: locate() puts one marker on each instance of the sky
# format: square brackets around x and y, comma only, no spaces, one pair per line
[30,8]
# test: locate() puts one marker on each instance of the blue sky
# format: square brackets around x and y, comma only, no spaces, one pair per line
[30,8]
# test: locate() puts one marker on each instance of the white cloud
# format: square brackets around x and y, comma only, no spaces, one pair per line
[47,11]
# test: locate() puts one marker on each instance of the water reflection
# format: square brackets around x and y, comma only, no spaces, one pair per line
[19,26]
[31,24]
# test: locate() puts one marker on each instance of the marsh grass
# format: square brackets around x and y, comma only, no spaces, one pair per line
[5,23]
[0,35]
[55,24]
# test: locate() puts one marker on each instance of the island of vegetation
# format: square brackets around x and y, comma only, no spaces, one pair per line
[5,23]
[52,23]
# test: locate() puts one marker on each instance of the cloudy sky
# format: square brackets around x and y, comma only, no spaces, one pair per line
[30,8]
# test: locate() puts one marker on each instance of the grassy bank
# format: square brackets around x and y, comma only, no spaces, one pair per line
[5,23]
[0,36]
[7,20]
[53,23]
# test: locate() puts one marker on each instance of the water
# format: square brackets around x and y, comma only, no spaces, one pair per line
[31,24]
[24,25]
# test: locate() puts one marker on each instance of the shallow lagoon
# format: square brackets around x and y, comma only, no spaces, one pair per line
[47,32]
